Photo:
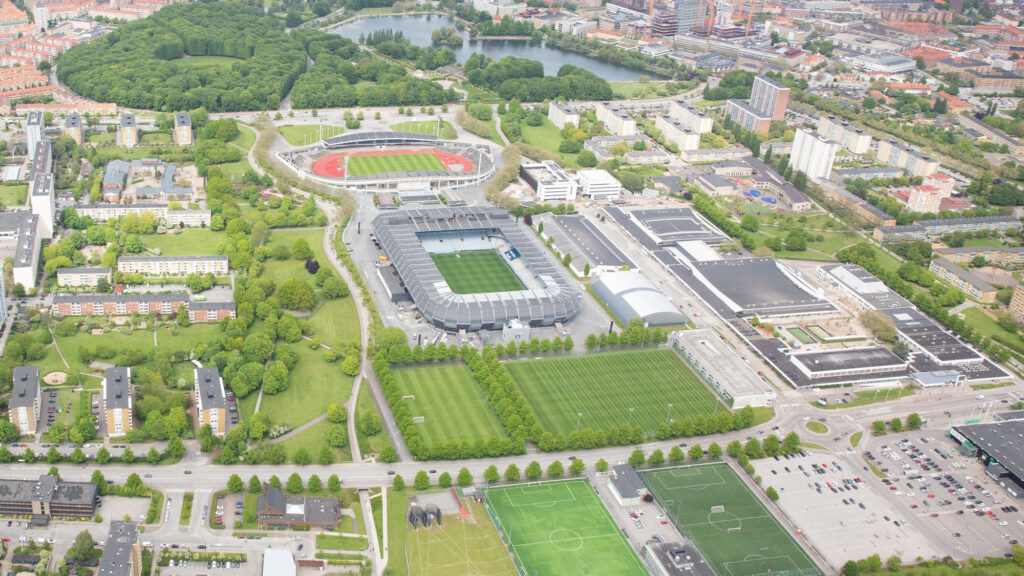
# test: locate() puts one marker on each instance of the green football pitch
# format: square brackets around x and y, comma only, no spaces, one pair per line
[467,546]
[476,271]
[604,387]
[380,164]
[451,404]
[741,538]
[561,528]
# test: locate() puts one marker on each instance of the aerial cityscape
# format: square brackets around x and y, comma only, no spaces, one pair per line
[506,288]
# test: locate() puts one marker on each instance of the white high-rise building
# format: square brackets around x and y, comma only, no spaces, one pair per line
[848,136]
[812,154]
[34,129]
[598,185]
[44,202]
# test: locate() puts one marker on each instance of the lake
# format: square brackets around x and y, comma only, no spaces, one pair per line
[417,28]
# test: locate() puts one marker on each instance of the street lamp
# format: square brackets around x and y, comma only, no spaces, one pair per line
[668,413]
[629,422]
[579,416]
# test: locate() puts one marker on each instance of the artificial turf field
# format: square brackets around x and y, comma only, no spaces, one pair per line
[367,165]
[450,401]
[476,271]
[603,387]
[467,546]
[760,546]
[561,528]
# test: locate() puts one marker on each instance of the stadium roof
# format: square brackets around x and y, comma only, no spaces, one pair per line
[399,232]
[380,137]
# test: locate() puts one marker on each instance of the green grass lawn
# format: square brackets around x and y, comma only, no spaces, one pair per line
[548,137]
[367,165]
[476,272]
[336,320]
[187,242]
[817,427]
[865,397]
[313,385]
[460,547]
[13,194]
[155,138]
[398,506]
[451,402]
[206,61]
[562,528]
[702,104]
[369,444]
[300,134]
[234,171]
[186,509]
[246,137]
[102,138]
[744,539]
[313,439]
[605,386]
[987,326]
[627,89]
[329,542]
[429,127]
[281,270]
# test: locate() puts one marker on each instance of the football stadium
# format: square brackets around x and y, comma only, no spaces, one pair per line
[475,268]
[385,161]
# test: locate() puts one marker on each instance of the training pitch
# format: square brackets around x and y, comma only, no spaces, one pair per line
[467,546]
[604,386]
[450,402]
[741,538]
[561,528]
[476,272]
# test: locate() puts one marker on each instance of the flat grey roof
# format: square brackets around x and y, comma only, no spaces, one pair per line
[128,120]
[671,225]
[73,120]
[211,389]
[182,119]
[22,227]
[974,249]
[592,242]
[731,371]
[117,552]
[118,387]
[848,359]
[1003,441]
[214,258]
[83,271]
[49,489]
[964,275]
[680,559]
[42,184]
[99,298]
[759,285]
[627,481]
[26,387]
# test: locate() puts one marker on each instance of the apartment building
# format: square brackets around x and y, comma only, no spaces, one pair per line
[117,400]
[120,304]
[939,227]
[615,120]
[1008,256]
[906,158]
[550,182]
[836,193]
[172,265]
[845,134]
[127,131]
[203,311]
[48,497]
[20,240]
[114,179]
[812,154]
[943,182]
[211,401]
[42,160]
[598,185]
[73,128]
[1017,304]
[122,555]
[183,129]
[35,126]
[81,277]
[104,212]
[924,199]
[43,201]
[690,117]
[769,97]
[747,116]
[992,134]
[970,283]
[188,218]
[25,402]
[676,133]
[559,114]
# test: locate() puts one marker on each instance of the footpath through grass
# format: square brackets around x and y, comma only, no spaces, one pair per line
[611,389]
[562,528]
[476,272]
[451,403]
[732,528]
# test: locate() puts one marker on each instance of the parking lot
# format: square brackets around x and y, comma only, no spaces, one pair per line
[842,513]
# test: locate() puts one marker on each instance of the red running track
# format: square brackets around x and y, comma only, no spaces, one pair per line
[333,166]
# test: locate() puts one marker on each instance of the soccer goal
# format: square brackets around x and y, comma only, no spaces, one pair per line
[419,419]
[716,509]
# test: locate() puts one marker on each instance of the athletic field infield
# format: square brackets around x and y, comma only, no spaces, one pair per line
[477,271]
[388,161]
[732,528]
[451,404]
[561,528]
[460,546]
[604,387]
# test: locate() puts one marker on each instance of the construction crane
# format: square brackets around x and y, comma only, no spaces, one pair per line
[752,6]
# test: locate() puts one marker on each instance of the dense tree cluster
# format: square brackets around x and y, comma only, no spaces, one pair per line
[140,66]
[523,79]
[736,84]
[720,218]
[395,45]
[507,27]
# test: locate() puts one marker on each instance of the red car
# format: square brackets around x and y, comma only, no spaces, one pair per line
[913,505]
[931,495]
[934,515]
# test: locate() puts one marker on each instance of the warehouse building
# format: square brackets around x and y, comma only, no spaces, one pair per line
[631,295]
[722,368]
[999,447]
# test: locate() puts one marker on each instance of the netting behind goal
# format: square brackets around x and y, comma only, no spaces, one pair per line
[715,509]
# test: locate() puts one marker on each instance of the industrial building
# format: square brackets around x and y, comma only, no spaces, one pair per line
[999,447]
[722,368]
[629,295]
[549,181]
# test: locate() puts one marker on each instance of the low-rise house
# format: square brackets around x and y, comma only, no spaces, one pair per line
[81,277]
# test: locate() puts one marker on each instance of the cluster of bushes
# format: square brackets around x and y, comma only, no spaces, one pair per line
[473,125]
[880,427]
